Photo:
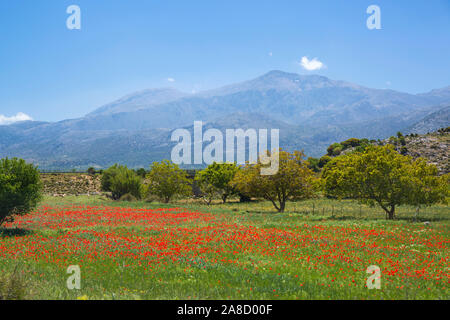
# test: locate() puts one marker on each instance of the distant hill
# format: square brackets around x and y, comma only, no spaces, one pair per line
[311,112]
[432,122]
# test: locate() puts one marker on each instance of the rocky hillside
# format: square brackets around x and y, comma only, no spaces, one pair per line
[433,146]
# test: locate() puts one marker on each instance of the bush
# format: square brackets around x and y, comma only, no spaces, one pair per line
[119,180]
[313,164]
[323,161]
[107,176]
[91,171]
[20,188]
[141,172]
[128,197]
[404,150]
[149,198]
[352,142]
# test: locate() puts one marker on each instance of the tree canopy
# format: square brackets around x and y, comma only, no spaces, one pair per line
[20,188]
[167,180]
[216,178]
[380,175]
[293,181]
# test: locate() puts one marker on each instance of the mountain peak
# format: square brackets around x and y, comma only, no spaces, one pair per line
[140,100]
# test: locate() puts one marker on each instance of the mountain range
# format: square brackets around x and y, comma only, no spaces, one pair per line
[311,112]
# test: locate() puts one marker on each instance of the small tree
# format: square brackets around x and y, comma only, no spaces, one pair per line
[293,181]
[120,180]
[20,188]
[107,176]
[141,172]
[215,179]
[382,176]
[167,180]
[91,171]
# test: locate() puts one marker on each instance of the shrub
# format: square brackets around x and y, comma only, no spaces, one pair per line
[91,171]
[119,180]
[20,188]
[403,150]
[324,160]
[313,164]
[128,197]
[107,176]
[335,149]
[141,172]
[352,142]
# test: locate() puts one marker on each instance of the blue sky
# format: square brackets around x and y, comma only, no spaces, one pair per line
[51,73]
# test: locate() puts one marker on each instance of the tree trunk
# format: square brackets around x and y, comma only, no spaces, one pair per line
[391,213]
[282,206]
[224,197]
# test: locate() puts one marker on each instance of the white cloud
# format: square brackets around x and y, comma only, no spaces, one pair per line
[171,79]
[270,54]
[311,65]
[18,117]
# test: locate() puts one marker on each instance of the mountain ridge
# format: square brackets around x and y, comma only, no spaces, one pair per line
[312,112]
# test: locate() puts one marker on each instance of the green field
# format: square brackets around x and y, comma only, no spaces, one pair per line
[317,249]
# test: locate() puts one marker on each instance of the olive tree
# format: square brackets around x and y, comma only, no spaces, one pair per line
[20,188]
[293,181]
[166,180]
[380,175]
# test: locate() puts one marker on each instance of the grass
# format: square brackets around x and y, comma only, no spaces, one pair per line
[315,250]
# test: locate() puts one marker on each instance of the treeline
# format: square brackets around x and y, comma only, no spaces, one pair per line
[373,174]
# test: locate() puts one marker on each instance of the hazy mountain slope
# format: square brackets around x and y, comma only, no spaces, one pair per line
[289,97]
[139,100]
[311,112]
[432,122]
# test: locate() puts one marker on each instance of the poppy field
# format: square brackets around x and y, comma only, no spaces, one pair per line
[184,252]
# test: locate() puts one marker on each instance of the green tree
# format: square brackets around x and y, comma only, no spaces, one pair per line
[216,179]
[335,149]
[20,188]
[167,180]
[141,172]
[323,161]
[314,164]
[107,176]
[382,176]
[119,180]
[293,181]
